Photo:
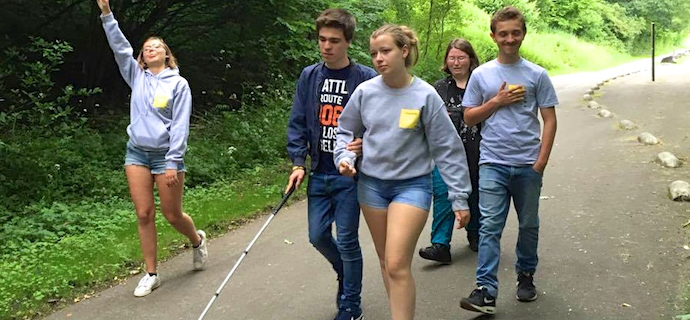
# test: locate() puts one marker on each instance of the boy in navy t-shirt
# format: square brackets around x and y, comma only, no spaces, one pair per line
[323,89]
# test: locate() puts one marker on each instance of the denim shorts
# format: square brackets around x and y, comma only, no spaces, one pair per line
[154,160]
[377,193]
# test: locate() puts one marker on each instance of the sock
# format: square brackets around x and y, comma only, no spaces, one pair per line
[152,274]
[197,246]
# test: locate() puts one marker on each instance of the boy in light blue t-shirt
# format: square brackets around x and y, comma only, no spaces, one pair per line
[506,95]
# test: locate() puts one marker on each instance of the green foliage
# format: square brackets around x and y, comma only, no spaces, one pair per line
[54,248]
[68,224]
[594,20]
[529,9]
[609,28]
[229,140]
[229,47]
[60,250]
[369,18]
[31,96]
[65,167]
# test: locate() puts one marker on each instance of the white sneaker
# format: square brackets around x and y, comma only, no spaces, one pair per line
[201,253]
[146,285]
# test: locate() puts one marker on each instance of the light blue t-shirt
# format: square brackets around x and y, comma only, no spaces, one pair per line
[511,135]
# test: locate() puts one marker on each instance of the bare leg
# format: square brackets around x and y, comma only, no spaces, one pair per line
[171,206]
[377,222]
[405,223]
[141,190]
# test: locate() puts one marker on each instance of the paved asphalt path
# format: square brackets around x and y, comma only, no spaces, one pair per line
[611,243]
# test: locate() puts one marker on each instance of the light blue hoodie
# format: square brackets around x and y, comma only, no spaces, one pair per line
[161,104]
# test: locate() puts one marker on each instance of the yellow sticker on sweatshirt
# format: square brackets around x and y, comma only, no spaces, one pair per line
[409,118]
[160,101]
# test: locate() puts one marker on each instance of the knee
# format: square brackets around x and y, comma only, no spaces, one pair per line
[529,229]
[146,215]
[348,242]
[319,239]
[382,264]
[397,270]
[174,218]
[529,226]
[489,228]
[349,249]
[529,223]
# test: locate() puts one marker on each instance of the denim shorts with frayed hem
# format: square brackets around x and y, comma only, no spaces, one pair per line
[154,160]
[377,193]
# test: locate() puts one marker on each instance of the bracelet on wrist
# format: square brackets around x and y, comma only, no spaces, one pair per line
[298,168]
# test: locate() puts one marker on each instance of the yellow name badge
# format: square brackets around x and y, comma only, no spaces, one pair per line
[516,86]
[160,101]
[409,118]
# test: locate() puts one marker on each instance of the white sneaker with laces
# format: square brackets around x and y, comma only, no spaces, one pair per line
[201,252]
[146,285]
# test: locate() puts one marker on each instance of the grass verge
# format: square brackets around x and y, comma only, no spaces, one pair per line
[39,277]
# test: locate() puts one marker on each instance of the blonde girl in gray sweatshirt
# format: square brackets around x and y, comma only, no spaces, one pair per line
[160,108]
[405,129]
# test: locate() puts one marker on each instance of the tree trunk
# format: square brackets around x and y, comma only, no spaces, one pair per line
[428,29]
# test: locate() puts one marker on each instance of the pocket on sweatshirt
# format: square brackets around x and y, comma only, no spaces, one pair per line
[160,101]
[409,118]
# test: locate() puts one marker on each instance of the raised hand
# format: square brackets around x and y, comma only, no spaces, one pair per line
[104,5]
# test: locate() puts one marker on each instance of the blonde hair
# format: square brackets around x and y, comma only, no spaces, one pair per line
[170,60]
[402,36]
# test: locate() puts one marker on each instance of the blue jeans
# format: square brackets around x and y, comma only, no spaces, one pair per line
[444,218]
[333,198]
[497,185]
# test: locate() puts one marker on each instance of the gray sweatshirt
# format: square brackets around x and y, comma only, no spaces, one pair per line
[403,132]
[161,104]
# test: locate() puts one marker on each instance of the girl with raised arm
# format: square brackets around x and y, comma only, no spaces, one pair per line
[160,108]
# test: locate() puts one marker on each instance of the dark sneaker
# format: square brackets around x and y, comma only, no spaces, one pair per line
[473,239]
[349,314]
[341,289]
[526,291]
[436,252]
[479,301]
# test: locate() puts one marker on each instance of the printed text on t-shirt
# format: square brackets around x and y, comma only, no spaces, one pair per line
[332,101]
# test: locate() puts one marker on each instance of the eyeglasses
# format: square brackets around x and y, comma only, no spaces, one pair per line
[458,58]
[153,47]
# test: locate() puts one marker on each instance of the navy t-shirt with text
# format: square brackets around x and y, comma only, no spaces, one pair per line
[333,96]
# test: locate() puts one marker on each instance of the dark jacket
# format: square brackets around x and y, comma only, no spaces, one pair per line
[471,136]
[303,125]
[454,111]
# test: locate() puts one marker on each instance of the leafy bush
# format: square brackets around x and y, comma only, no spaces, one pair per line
[64,167]
[54,248]
[30,92]
[229,141]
